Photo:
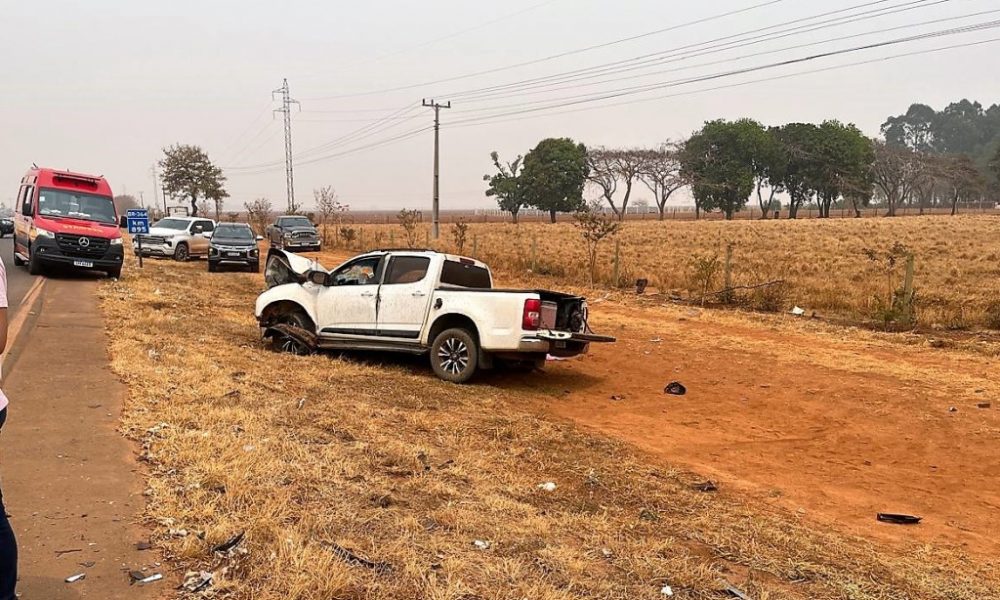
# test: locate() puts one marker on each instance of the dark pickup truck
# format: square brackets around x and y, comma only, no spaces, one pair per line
[294,232]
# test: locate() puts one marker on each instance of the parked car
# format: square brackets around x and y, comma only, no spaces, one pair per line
[66,219]
[294,232]
[6,226]
[176,237]
[420,302]
[234,244]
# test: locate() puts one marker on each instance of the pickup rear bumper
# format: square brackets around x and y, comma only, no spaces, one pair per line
[560,343]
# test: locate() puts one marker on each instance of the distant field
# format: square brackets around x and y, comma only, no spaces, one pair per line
[822,262]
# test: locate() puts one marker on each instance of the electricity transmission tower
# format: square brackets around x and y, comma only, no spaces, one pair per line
[435,228]
[286,108]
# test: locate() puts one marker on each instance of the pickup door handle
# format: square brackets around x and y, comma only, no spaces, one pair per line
[367,294]
[419,294]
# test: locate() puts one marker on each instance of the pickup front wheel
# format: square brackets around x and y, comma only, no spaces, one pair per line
[454,355]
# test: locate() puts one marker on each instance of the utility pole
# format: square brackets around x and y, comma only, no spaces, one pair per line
[435,228]
[156,178]
[286,108]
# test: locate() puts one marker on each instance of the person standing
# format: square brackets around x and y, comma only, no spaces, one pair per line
[8,544]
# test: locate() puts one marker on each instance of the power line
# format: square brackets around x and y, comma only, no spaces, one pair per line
[721,44]
[548,88]
[561,54]
[495,119]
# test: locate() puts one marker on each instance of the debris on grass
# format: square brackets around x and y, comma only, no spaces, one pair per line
[798,312]
[75,578]
[143,546]
[196,581]
[229,544]
[983,405]
[707,486]
[152,578]
[898,519]
[617,397]
[481,544]
[68,551]
[667,590]
[675,388]
[735,592]
[351,558]
[548,486]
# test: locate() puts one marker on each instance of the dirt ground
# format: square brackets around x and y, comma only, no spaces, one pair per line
[832,425]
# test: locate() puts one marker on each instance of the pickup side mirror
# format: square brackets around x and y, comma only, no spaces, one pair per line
[259,238]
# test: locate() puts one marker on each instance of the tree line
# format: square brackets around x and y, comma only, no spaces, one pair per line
[728,164]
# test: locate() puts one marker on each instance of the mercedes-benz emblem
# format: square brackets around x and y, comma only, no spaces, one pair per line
[84,242]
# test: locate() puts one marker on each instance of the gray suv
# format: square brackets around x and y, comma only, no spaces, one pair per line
[234,244]
[294,232]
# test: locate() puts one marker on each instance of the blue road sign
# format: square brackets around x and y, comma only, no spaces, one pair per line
[137,220]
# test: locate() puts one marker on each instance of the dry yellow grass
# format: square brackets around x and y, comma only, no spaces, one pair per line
[823,262]
[302,452]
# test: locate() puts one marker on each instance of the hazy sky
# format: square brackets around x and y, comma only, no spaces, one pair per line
[101,86]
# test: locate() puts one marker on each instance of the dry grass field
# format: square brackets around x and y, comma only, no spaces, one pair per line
[822,262]
[312,456]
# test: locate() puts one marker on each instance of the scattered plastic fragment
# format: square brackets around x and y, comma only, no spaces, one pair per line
[150,579]
[798,312]
[481,544]
[897,519]
[75,578]
[707,486]
[548,486]
[555,358]
[667,590]
[350,557]
[143,546]
[230,543]
[675,388]
[197,581]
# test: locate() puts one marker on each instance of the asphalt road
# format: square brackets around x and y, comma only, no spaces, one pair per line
[18,280]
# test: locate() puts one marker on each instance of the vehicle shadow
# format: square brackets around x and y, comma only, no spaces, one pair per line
[552,380]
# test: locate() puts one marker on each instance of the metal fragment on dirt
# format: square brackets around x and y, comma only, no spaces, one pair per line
[736,592]
[898,519]
[196,581]
[75,578]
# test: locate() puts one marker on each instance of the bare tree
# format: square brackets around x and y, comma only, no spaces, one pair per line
[408,219]
[594,226]
[661,172]
[331,210]
[609,168]
[259,214]
[964,180]
[895,172]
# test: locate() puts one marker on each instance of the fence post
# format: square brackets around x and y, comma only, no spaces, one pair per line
[392,239]
[475,245]
[727,294]
[908,290]
[617,270]
[427,238]
[361,239]
[534,253]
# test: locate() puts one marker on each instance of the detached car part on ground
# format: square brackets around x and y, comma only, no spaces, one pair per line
[419,302]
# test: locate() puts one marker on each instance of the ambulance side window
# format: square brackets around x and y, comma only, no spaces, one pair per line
[26,209]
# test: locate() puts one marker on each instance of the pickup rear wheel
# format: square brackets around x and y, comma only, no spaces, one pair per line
[455,355]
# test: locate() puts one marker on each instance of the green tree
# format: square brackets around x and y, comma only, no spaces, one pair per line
[844,157]
[506,185]
[554,174]
[719,163]
[189,174]
[799,165]
[769,164]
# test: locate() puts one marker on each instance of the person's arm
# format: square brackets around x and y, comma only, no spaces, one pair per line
[3,329]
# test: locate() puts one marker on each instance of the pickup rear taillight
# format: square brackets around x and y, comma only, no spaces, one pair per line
[531,319]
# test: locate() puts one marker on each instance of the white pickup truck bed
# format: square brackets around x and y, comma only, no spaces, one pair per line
[418,302]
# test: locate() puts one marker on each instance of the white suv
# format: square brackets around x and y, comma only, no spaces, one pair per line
[177,237]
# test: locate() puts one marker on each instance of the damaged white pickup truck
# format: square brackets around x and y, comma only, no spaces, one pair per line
[420,302]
